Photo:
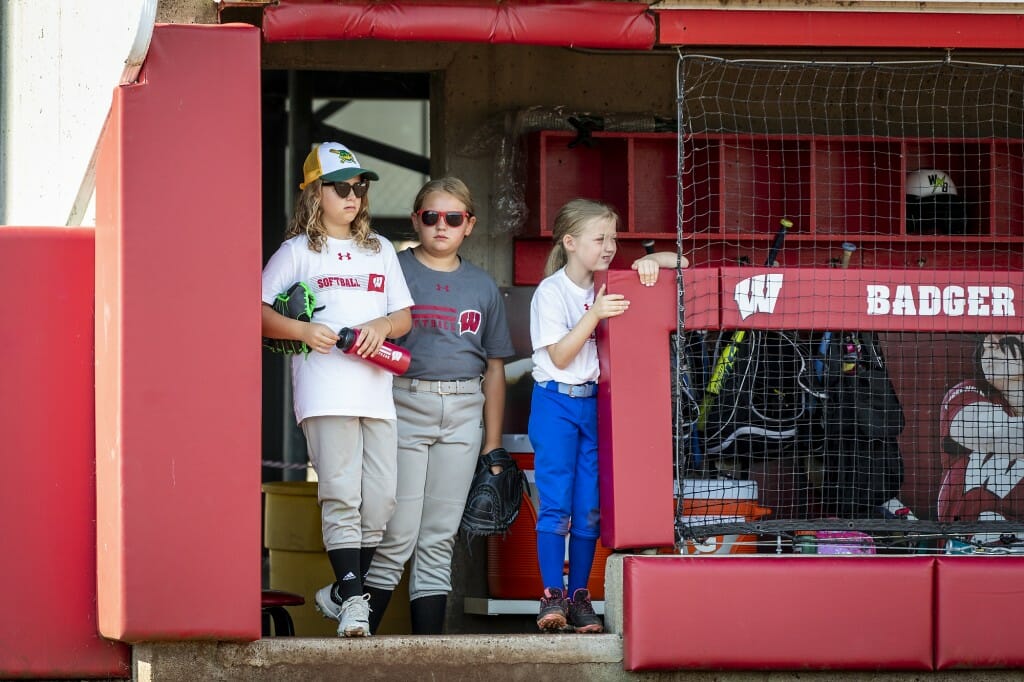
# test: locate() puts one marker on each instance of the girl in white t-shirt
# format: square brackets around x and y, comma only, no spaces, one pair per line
[342,403]
[564,314]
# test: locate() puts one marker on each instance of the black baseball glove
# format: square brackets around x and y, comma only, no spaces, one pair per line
[298,303]
[494,499]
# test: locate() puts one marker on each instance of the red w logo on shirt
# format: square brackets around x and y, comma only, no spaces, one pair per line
[375,283]
[469,321]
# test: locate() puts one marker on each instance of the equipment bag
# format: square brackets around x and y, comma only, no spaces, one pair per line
[762,401]
[857,428]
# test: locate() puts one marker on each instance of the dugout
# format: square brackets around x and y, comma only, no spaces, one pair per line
[469,85]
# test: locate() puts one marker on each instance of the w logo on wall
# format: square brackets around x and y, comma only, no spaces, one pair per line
[758,294]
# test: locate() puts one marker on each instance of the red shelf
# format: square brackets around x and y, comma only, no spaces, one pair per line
[737,186]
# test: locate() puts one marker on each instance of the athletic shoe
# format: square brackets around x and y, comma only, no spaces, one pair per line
[552,610]
[325,603]
[581,613]
[354,619]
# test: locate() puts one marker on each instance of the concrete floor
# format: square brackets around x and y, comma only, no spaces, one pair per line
[530,658]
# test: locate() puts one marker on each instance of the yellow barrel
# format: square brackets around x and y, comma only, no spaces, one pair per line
[299,563]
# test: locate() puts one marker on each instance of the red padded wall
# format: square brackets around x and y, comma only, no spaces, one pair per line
[635,460]
[819,29]
[978,602]
[563,23]
[178,384]
[47,493]
[777,613]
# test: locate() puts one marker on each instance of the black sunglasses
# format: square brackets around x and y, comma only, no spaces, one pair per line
[453,218]
[343,188]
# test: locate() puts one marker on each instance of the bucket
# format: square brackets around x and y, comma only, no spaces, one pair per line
[719,501]
[512,568]
[299,564]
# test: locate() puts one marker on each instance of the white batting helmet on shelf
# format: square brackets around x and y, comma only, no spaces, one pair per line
[928,182]
[934,205]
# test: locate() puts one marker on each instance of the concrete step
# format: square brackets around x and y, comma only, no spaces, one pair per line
[531,658]
[484,658]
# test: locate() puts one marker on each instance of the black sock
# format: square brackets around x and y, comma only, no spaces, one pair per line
[379,599]
[365,559]
[345,563]
[427,614]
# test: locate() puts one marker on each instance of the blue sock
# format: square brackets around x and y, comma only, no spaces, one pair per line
[581,560]
[551,556]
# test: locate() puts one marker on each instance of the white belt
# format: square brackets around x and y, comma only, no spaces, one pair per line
[441,387]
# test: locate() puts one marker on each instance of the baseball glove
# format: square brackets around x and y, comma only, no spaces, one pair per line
[298,303]
[494,499]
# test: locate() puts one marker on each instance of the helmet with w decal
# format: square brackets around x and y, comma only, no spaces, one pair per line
[934,206]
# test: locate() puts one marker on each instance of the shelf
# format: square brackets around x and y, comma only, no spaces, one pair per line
[736,187]
[635,173]
[819,237]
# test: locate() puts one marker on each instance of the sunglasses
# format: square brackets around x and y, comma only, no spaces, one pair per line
[343,188]
[453,218]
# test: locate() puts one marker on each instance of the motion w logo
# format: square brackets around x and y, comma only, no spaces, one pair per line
[758,294]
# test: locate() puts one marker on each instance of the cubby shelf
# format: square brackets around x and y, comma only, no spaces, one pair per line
[821,237]
[737,186]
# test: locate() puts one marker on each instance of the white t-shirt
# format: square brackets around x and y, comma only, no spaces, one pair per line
[355,286]
[556,307]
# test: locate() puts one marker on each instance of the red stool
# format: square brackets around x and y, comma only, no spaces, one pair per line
[273,611]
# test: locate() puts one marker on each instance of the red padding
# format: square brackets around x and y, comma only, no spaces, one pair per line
[869,299]
[635,402]
[177,350]
[843,28]
[47,491]
[565,23]
[777,613]
[978,602]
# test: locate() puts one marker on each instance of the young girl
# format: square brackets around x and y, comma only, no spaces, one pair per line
[342,403]
[458,343]
[564,313]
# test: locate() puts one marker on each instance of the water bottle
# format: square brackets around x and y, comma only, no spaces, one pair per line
[394,359]
[805,542]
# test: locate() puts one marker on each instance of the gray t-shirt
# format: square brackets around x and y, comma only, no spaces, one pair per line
[458,321]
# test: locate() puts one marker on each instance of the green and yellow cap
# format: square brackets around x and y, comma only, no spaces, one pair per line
[332,162]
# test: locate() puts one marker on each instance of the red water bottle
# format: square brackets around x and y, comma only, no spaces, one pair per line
[394,359]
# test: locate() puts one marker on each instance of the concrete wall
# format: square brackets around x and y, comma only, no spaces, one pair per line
[476,85]
[56,80]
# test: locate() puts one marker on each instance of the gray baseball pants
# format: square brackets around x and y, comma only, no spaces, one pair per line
[354,460]
[439,439]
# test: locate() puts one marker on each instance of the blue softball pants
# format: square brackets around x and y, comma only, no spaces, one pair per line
[563,431]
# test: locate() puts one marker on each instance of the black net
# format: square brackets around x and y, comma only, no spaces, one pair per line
[864,392]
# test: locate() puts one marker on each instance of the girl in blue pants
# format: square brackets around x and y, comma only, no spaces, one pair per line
[564,314]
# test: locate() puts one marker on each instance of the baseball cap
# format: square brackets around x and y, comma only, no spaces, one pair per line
[332,162]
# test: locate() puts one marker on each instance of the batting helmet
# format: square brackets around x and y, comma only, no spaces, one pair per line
[933,204]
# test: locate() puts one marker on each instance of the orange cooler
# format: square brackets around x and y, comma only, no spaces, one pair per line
[720,501]
[512,569]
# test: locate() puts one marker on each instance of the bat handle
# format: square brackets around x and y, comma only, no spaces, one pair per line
[848,249]
[826,338]
[780,236]
[648,245]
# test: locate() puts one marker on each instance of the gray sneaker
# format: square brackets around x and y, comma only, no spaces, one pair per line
[325,603]
[354,620]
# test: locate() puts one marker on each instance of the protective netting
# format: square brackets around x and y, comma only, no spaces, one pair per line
[864,390]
